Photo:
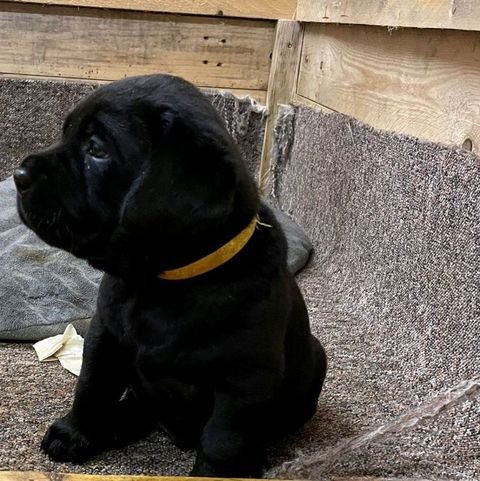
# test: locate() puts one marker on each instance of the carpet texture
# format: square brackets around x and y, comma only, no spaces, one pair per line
[392,292]
[32,395]
[32,113]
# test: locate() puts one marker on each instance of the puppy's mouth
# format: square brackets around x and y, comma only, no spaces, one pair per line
[48,226]
[45,224]
[55,228]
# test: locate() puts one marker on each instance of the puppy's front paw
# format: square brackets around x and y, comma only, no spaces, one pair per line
[63,442]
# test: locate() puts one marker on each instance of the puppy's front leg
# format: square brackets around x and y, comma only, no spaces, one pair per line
[232,442]
[86,429]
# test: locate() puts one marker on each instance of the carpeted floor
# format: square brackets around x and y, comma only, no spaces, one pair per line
[392,291]
[33,394]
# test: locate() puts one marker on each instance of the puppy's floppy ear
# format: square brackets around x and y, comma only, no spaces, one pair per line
[188,182]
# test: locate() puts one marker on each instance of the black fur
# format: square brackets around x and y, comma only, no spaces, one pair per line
[144,179]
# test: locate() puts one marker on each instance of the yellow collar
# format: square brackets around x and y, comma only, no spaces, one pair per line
[215,259]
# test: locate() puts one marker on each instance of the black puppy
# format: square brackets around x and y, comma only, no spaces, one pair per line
[200,329]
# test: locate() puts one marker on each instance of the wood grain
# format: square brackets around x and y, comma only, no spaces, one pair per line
[282,83]
[37,476]
[448,14]
[419,82]
[107,45]
[269,9]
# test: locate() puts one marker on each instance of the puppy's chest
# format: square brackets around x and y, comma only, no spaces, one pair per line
[174,331]
[162,338]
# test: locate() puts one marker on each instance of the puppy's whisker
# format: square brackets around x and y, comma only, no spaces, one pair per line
[50,222]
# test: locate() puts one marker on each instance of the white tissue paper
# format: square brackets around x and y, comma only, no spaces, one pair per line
[66,347]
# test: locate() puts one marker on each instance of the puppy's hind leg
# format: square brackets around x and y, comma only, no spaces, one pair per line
[181,411]
[233,440]
[320,369]
[294,407]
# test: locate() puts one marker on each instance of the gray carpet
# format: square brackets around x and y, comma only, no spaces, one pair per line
[33,394]
[32,113]
[392,292]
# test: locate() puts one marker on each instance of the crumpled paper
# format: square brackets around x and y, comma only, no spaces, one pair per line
[66,348]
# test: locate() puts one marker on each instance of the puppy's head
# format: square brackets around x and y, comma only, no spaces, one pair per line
[145,177]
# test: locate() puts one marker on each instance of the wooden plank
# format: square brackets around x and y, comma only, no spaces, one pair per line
[107,45]
[424,83]
[268,9]
[448,14]
[37,476]
[282,83]
[257,95]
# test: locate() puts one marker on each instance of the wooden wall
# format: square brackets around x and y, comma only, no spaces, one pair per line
[267,9]
[375,61]
[103,44]
[368,59]
[218,44]
[420,82]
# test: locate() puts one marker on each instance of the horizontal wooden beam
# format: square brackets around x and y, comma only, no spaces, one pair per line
[447,14]
[268,9]
[36,476]
[110,44]
[42,476]
[257,95]
[424,83]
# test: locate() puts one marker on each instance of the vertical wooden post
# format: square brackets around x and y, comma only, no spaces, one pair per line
[281,82]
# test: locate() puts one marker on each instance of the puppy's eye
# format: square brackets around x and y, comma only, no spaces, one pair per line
[96,149]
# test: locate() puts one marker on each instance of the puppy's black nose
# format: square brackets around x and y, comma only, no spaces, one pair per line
[23,179]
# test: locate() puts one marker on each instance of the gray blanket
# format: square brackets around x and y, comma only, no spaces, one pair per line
[43,289]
